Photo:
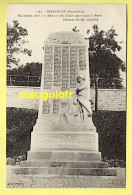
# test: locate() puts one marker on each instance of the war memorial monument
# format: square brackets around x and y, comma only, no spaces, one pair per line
[64,140]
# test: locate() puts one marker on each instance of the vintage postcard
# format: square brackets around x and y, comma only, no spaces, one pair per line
[64,96]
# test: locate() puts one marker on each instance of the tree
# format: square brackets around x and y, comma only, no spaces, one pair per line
[30,69]
[30,75]
[15,42]
[104,62]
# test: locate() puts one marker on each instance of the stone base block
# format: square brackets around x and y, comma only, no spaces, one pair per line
[65,171]
[59,140]
[64,156]
[72,164]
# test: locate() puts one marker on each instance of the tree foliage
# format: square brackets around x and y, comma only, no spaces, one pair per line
[30,69]
[104,62]
[15,42]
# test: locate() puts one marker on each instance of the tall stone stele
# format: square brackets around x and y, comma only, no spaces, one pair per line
[64,139]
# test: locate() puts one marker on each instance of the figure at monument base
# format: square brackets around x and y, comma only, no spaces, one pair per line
[64,140]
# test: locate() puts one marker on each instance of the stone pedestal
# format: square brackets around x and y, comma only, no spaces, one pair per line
[64,140]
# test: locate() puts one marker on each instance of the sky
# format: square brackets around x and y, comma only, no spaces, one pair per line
[39,24]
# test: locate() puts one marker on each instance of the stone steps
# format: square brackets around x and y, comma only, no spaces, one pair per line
[57,168]
[60,164]
[65,171]
[48,163]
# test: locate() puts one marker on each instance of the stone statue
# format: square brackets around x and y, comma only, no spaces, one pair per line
[79,110]
[83,99]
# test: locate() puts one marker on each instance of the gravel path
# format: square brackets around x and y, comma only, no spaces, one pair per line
[39,181]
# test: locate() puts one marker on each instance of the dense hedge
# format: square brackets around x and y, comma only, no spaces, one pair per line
[111,127]
[19,125]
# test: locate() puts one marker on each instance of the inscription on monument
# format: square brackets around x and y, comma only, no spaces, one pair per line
[66,62]
[48,66]
[65,68]
[46,107]
[57,66]
[73,66]
[63,104]
[56,106]
[82,57]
